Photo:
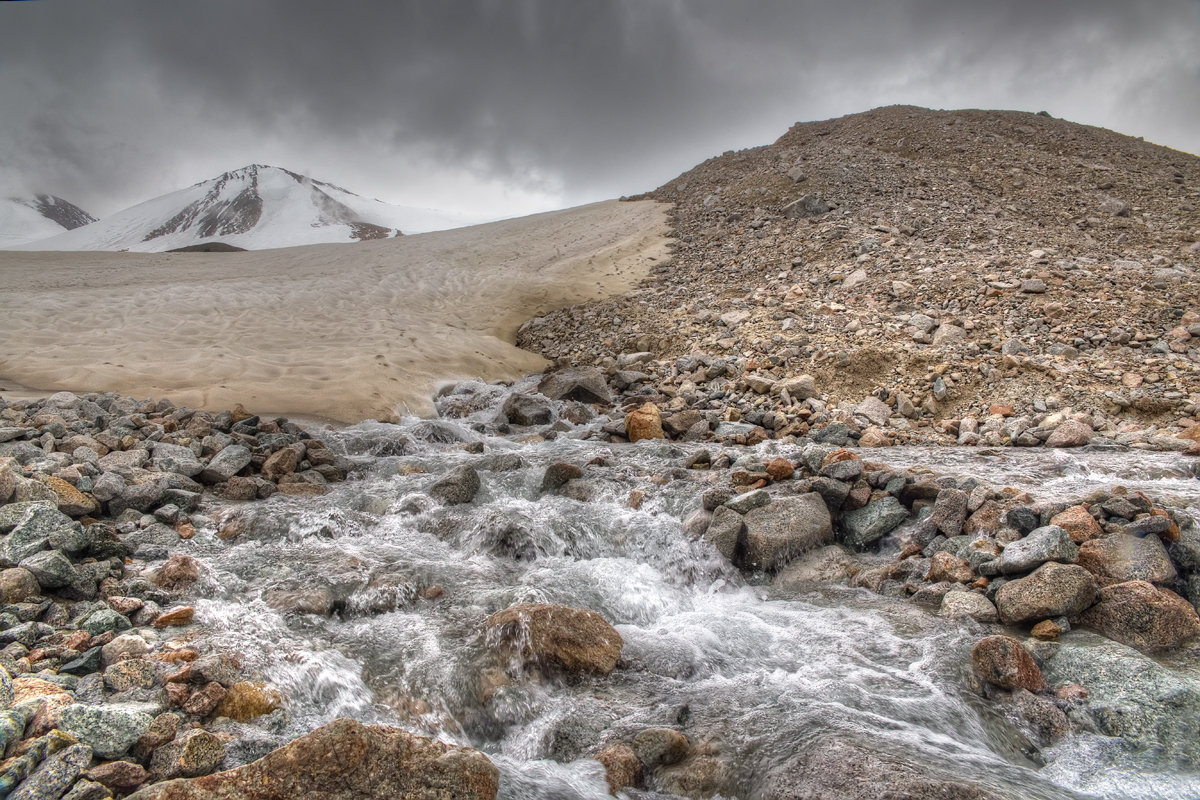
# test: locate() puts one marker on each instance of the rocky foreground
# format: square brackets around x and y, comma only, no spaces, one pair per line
[109,688]
[979,273]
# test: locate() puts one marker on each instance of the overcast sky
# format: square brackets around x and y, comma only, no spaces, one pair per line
[504,107]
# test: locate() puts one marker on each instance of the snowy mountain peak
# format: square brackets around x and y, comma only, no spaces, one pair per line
[27,219]
[255,207]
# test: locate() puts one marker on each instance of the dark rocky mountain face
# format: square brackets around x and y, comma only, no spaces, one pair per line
[67,214]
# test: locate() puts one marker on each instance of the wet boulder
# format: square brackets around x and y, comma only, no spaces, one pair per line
[1052,590]
[1049,543]
[1121,557]
[526,409]
[1142,615]
[842,769]
[1004,662]
[865,526]
[585,384]
[457,486]
[724,532]
[787,527]
[571,640]
[346,760]
[1131,696]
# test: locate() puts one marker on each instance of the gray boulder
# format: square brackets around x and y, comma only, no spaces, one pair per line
[457,486]
[864,526]
[842,769]
[52,569]
[177,459]
[585,384]
[225,464]
[1050,543]
[782,530]
[1131,696]
[724,531]
[950,511]
[526,409]
[109,730]
[1052,590]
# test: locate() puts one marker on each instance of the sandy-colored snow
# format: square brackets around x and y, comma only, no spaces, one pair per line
[347,332]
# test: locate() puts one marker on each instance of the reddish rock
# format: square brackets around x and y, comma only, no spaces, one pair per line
[780,469]
[17,584]
[121,776]
[1121,558]
[282,462]
[949,567]
[622,767]
[1142,615]
[346,760]
[204,700]
[1070,433]
[178,573]
[570,639]
[176,616]
[1003,661]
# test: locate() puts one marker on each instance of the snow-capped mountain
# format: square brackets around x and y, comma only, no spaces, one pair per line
[27,219]
[255,207]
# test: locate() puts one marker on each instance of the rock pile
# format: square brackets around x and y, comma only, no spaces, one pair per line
[989,277]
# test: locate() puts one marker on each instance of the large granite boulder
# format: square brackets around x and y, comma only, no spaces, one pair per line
[1050,543]
[1120,558]
[864,526]
[1142,615]
[1130,695]
[572,640]
[585,384]
[346,760]
[1052,590]
[787,527]
[839,769]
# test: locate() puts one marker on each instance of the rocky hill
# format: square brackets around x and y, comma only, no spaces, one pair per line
[957,265]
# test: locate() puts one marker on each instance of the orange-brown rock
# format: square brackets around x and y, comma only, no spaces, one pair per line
[1003,661]
[71,501]
[572,640]
[644,423]
[780,469]
[178,573]
[1079,524]
[247,700]
[622,767]
[176,616]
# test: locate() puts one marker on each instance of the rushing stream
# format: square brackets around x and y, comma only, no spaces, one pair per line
[751,673]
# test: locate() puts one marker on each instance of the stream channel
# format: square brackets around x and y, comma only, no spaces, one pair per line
[753,674]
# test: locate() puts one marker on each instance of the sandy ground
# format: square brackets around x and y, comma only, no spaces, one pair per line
[344,332]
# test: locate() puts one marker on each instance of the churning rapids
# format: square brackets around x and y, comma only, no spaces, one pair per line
[752,673]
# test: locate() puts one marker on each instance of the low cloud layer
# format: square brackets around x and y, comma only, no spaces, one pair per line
[506,107]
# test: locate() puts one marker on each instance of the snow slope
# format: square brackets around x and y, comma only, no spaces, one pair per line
[256,207]
[27,219]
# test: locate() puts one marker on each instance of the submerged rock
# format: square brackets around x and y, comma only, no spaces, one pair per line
[837,769]
[346,760]
[573,640]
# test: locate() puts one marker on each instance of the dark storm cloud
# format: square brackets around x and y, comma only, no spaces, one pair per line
[564,100]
